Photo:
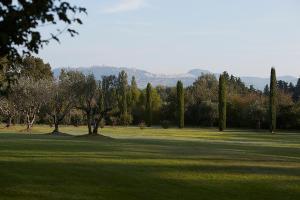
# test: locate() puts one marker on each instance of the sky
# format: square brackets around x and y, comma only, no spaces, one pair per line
[173,36]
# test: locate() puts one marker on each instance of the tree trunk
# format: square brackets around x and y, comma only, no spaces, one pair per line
[8,124]
[89,123]
[30,122]
[56,129]
[258,124]
[96,127]
[56,124]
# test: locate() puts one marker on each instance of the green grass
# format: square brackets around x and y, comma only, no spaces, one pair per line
[149,164]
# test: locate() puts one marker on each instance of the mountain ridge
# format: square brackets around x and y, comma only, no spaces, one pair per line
[143,77]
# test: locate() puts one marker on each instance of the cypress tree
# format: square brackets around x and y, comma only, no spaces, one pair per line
[135,93]
[272,103]
[149,105]
[180,104]
[125,118]
[222,103]
[123,84]
[296,95]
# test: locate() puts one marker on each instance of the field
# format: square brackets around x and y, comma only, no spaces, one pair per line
[145,164]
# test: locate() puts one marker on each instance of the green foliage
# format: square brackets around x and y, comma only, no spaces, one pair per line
[273,100]
[222,103]
[296,90]
[20,24]
[207,113]
[134,92]
[142,125]
[102,123]
[91,102]
[125,117]
[165,124]
[118,103]
[149,105]
[205,88]
[35,68]
[180,104]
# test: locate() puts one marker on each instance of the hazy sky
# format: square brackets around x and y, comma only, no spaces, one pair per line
[244,37]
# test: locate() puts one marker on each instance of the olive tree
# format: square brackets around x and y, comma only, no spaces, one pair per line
[7,109]
[29,96]
[63,96]
[90,101]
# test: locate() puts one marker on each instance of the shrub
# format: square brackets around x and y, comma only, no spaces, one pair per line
[76,120]
[165,124]
[125,119]
[142,125]
[102,123]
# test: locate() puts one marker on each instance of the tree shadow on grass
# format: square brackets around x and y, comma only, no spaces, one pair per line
[129,180]
[59,134]
[95,137]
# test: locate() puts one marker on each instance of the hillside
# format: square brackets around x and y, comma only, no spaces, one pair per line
[143,77]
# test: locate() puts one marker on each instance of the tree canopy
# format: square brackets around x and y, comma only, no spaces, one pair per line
[21,20]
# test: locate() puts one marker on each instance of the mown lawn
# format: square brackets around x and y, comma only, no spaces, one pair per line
[149,164]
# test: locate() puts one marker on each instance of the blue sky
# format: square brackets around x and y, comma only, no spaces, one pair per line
[172,36]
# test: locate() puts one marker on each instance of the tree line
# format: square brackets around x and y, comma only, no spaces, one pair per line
[31,94]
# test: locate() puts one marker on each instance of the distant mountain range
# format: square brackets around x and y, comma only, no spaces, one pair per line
[143,77]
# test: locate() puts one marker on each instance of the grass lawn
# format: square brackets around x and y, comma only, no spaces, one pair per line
[145,164]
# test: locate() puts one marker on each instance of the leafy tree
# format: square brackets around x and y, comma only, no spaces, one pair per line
[203,89]
[256,109]
[273,100]
[21,20]
[63,96]
[222,103]
[267,90]
[8,75]
[29,96]
[180,104]
[296,95]
[134,101]
[8,109]
[207,113]
[125,117]
[90,100]
[169,104]
[134,92]
[283,86]
[35,68]
[29,67]
[110,99]
[149,105]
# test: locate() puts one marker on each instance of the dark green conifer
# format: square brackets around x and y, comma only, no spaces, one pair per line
[273,101]
[222,103]
[149,105]
[180,104]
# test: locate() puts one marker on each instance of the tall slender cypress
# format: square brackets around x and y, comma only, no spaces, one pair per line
[222,103]
[273,101]
[180,104]
[149,105]
[123,84]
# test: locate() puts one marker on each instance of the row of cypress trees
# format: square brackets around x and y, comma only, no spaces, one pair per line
[222,102]
[272,101]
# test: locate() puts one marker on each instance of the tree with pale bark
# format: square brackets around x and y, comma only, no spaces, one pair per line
[29,96]
[90,101]
[63,96]
[8,110]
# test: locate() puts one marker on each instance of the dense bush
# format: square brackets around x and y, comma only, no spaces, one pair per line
[165,124]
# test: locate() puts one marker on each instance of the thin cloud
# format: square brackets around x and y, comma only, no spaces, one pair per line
[125,6]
